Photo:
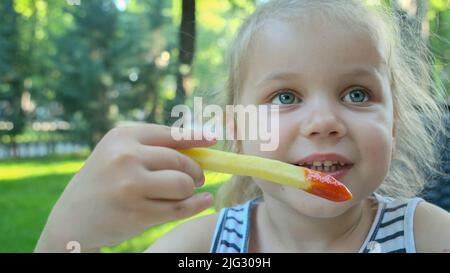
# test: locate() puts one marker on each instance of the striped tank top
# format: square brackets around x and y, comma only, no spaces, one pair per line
[391,230]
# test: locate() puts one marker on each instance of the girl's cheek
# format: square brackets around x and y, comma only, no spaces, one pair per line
[379,137]
[281,133]
[376,150]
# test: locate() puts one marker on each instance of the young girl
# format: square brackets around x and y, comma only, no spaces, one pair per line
[352,102]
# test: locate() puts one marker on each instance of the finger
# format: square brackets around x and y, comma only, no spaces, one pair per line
[176,210]
[167,185]
[157,158]
[173,137]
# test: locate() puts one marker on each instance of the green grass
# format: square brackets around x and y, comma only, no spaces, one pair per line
[30,187]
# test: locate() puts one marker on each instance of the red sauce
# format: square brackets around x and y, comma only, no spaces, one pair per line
[326,186]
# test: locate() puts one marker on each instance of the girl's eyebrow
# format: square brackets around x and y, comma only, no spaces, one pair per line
[361,72]
[277,76]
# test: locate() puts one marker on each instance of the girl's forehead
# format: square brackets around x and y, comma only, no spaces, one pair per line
[312,47]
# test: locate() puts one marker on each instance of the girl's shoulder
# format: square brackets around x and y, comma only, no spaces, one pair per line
[194,235]
[431,228]
[412,224]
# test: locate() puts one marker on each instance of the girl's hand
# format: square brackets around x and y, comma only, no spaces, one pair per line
[134,179]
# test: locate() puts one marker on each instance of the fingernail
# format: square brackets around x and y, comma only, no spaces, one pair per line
[208,197]
[202,180]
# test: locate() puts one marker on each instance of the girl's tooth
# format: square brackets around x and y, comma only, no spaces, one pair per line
[320,169]
[326,168]
[317,163]
[333,168]
[327,163]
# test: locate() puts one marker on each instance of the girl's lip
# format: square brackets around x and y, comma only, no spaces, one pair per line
[324,157]
[340,173]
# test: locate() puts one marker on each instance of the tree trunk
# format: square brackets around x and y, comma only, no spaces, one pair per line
[13,152]
[187,47]
[186,55]
[151,118]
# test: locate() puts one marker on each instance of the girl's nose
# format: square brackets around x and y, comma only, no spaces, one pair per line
[322,123]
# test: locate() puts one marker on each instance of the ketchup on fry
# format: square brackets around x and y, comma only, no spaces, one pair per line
[326,186]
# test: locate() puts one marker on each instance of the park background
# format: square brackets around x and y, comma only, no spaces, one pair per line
[70,70]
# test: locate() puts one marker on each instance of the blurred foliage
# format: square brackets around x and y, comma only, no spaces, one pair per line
[102,62]
[439,38]
[98,63]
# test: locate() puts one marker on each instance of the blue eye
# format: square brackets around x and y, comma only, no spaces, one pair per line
[285,97]
[357,95]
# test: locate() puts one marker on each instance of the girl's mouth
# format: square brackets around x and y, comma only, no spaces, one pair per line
[334,168]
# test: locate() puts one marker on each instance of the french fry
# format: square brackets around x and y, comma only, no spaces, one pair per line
[317,183]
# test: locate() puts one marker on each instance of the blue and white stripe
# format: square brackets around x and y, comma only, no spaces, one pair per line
[391,232]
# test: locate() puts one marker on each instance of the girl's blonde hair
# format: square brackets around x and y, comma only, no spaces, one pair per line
[418,118]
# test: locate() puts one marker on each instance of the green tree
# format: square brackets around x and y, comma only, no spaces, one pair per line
[146,33]
[12,66]
[109,62]
[439,41]
[87,55]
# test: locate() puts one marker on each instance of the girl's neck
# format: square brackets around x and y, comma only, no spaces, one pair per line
[280,230]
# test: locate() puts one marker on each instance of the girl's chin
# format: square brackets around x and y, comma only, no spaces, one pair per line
[304,203]
[322,209]
[313,206]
